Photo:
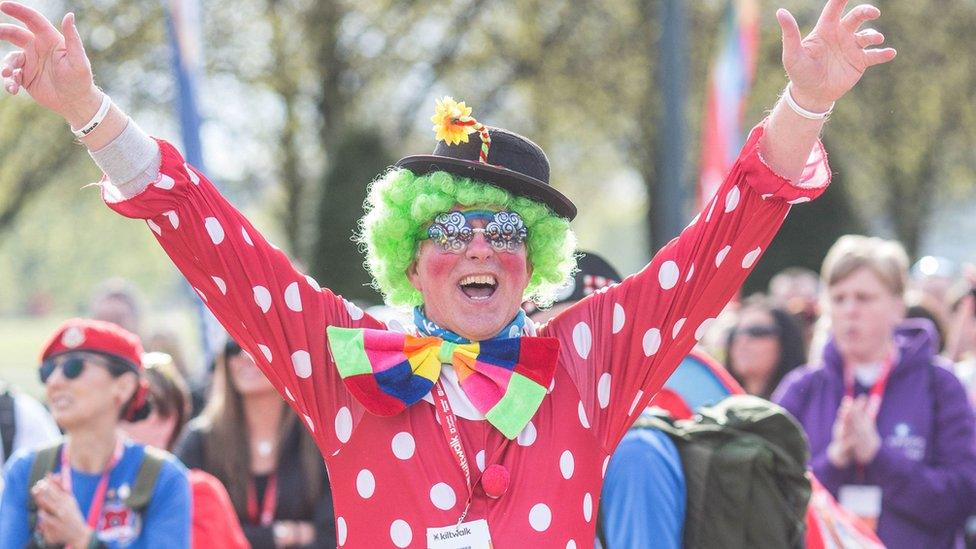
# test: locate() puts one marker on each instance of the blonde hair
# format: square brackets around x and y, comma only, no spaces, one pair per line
[885,258]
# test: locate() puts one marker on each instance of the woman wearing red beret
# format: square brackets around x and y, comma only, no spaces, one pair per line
[95,488]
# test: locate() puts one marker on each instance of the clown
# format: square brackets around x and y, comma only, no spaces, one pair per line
[475,427]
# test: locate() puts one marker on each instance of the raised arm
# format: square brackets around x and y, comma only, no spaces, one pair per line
[273,311]
[621,345]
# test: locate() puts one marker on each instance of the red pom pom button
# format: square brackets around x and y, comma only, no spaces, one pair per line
[495,480]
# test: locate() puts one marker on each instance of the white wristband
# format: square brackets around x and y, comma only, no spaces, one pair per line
[96,120]
[795,107]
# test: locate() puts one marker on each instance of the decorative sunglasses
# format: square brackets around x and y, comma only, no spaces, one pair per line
[452,231]
[71,366]
[757,330]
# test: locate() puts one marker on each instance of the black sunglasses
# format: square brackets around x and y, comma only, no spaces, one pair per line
[71,366]
[757,330]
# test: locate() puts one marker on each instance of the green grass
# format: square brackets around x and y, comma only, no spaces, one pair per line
[21,340]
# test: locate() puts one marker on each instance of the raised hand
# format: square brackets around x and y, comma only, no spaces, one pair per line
[831,59]
[50,65]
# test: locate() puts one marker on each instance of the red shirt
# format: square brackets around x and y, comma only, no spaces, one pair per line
[392,478]
[215,523]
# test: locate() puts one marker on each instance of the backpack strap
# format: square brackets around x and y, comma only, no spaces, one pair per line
[8,421]
[44,461]
[145,484]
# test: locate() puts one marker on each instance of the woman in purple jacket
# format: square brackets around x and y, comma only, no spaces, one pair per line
[891,432]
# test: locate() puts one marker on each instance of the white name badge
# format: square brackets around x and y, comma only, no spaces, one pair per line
[467,535]
[863,501]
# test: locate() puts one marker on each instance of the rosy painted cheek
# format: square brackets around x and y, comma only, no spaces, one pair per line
[513,265]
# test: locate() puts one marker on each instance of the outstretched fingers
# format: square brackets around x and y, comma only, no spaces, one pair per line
[791,32]
[832,11]
[18,36]
[35,21]
[858,16]
[869,37]
[72,40]
[879,56]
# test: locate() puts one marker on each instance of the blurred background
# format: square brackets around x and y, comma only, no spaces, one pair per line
[293,106]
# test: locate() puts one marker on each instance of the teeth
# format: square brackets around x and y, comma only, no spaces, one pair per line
[478,279]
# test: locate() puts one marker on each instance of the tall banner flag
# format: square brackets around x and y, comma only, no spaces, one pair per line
[183,23]
[728,88]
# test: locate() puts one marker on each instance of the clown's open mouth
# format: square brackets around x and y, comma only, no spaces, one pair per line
[478,286]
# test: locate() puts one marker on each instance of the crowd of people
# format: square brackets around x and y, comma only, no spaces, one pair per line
[490,415]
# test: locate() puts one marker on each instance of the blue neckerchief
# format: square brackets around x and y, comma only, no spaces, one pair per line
[428,327]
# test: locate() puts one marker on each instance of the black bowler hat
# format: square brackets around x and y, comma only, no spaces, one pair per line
[514,163]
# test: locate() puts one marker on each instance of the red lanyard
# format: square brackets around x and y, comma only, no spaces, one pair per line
[98,500]
[268,502]
[876,391]
[452,435]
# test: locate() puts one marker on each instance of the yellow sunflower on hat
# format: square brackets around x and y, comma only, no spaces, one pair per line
[452,121]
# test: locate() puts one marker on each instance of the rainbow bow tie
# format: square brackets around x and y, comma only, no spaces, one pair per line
[506,378]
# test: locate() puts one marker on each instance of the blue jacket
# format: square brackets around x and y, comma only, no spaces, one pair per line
[164,523]
[926,466]
[643,502]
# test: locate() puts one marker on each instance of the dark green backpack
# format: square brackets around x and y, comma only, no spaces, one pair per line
[139,497]
[744,461]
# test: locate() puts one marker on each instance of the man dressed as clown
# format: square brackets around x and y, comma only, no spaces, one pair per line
[475,427]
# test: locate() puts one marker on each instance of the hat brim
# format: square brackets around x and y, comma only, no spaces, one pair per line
[514,182]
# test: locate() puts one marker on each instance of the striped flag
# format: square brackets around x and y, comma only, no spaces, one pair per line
[728,88]
[183,23]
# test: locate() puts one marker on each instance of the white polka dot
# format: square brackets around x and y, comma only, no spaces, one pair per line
[199,293]
[221,285]
[677,327]
[633,404]
[214,229]
[400,533]
[247,237]
[651,341]
[479,460]
[619,317]
[155,228]
[442,496]
[732,199]
[403,445]
[265,351]
[194,178]
[750,258]
[313,283]
[365,484]
[343,424]
[571,544]
[165,182]
[293,299]
[552,385]
[174,219]
[308,420]
[711,208]
[603,390]
[800,200]
[606,461]
[582,416]
[540,517]
[767,196]
[528,435]
[668,275]
[691,271]
[587,507]
[567,465]
[720,256]
[263,298]
[288,394]
[354,312]
[582,339]
[703,328]
[301,361]
[341,531]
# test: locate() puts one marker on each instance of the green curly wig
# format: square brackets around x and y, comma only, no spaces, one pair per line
[400,205]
